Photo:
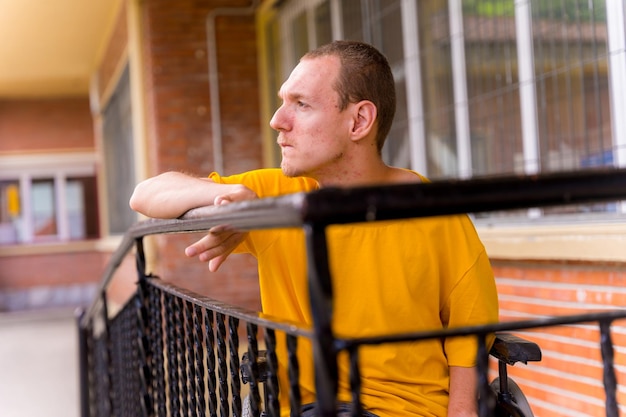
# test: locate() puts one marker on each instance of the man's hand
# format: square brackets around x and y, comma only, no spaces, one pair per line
[215,247]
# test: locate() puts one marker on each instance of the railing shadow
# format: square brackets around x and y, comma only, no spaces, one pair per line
[169,351]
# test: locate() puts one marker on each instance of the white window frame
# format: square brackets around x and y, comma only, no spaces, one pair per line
[59,167]
[523,19]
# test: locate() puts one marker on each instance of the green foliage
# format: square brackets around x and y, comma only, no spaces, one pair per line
[493,8]
[565,10]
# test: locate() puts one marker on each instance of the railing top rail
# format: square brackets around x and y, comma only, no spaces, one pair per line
[484,329]
[335,205]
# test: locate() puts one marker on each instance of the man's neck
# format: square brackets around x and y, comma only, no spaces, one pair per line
[381,175]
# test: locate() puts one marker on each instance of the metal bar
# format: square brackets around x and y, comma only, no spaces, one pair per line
[83,334]
[144,349]
[608,373]
[222,364]
[144,327]
[181,364]
[616,27]
[199,361]
[486,406]
[106,335]
[527,93]
[355,383]
[295,399]
[341,344]
[189,356]
[172,362]
[160,347]
[459,82]
[336,206]
[415,97]
[272,388]
[235,381]
[253,354]
[210,361]
[321,296]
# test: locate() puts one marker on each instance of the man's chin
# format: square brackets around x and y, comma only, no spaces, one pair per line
[289,171]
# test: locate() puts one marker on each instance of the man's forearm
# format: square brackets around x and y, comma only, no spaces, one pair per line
[171,194]
[463,393]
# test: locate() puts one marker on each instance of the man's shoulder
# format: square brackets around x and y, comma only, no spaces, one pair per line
[271,182]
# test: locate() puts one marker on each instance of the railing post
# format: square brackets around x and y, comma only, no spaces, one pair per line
[321,295]
[486,400]
[145,350]
[108,356]
[83,363]
[608,374]
[272,388]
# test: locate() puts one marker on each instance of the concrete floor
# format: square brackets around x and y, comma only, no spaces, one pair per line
[39,364]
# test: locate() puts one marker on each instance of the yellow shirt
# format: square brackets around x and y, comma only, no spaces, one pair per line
[388,277]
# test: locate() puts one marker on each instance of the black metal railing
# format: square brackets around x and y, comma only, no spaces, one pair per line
[169,351]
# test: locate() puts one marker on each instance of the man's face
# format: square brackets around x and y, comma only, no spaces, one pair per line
[312,132]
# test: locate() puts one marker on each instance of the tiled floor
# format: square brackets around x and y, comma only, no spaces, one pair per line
[39,364]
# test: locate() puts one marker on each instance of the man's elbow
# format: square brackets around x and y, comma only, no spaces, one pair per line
[137,201]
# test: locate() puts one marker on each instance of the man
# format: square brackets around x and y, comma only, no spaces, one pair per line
[388,277]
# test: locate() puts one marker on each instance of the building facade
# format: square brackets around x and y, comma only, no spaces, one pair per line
[484,88]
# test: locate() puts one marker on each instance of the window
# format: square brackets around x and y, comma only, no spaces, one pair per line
[48,199]
[485,87]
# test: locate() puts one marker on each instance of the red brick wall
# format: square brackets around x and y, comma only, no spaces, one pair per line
[179,120]
[45,125]
[29,271]
[569,377]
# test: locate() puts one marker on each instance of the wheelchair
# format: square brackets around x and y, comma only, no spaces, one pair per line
[507,348]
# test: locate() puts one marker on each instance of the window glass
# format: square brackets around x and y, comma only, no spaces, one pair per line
[83,208]
[352,15]
[43,209]
[492,87]
[10,211]
[36,220]
[299,30]
[323,30]
[437,92]
[571,64]
[75,209]
[386,19]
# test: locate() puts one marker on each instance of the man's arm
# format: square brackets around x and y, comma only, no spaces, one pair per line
[463,392]
[171,194]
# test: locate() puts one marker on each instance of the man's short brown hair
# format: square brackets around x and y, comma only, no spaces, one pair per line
[364,75]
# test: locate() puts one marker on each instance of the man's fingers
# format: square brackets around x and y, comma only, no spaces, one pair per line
[215,263]
[220,229]
[215,247]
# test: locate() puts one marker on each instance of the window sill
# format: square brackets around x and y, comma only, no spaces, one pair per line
[593,242]
[99,245]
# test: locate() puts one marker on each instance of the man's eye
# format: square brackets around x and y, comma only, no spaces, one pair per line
[302,104]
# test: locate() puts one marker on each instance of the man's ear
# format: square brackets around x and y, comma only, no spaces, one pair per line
[365,116]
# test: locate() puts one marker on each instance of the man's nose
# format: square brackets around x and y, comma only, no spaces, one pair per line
[277,122]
